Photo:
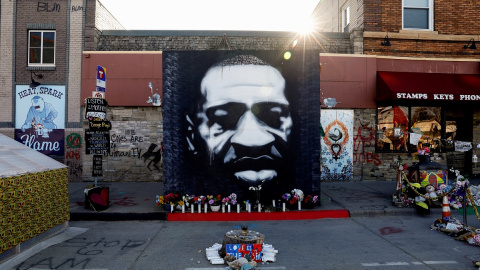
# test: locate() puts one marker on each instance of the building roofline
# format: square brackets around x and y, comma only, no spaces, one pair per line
[229,33]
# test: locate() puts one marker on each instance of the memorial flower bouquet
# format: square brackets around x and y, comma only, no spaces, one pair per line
[200,200]
[170,198]
[231,199]
[311,199]
[425,151]
[214,200]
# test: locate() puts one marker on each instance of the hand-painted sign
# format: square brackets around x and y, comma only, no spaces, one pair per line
[240,250]
[95,124]
[96,107]
[97,142]
[40,118]
[97,166]
[101,78]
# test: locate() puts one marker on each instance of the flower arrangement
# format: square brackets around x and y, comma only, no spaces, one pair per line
[425,151]
[188,199]
[200,200]
[298,194]
[309,199]
[257,190]
[287,198]
[214,200]
[170,198]
[231,199]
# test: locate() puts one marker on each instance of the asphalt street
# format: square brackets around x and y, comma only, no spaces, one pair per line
[349,243]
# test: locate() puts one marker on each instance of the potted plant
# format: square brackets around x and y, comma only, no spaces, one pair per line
[214,202]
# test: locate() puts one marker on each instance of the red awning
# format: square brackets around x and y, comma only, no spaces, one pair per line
[396,86]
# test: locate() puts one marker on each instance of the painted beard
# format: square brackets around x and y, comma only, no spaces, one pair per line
[251,164]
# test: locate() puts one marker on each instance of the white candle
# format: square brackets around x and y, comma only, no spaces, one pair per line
[299,205]
[223,208]
[259,208]
[192,208]
[238,208]
[249,207]
[199,208]
[205,209]
[183,208]
[228,208]
[171,208]
[273,203]
[283,207]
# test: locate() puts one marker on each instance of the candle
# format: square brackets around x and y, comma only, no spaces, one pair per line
[205,209]
[249,207]
[299,205]
[171,208]
[259,207]
[273,203]
[228,208]
[192,208]
[223,208]
[283,207]
[183,208]
[199,208]
[238,208]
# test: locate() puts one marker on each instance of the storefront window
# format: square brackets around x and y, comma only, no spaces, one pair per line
[392,131]
[395,123]
[427,121]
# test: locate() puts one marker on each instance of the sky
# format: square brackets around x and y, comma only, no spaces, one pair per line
[250,15]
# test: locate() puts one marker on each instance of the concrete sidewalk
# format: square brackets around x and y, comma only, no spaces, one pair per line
[136,201]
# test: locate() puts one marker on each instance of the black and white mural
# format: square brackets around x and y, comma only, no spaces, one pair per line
[236,119]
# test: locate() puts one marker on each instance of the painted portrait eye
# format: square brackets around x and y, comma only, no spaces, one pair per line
[226,116]
[271,113]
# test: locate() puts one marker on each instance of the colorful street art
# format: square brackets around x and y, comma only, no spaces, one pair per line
[236,119]
[40,118]
[337,145]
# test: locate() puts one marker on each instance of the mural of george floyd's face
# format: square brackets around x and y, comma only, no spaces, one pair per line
[244,118]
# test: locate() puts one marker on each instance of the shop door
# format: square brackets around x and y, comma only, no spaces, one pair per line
[459,127]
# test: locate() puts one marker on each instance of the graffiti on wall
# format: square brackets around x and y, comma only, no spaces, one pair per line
[337,145]
[127,142]
[364,138]
[48,7]
[40,118]
[242,123]
[73,156]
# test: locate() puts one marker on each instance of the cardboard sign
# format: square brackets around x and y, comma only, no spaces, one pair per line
[99,124]
[240,250]
[97,142]
[96,107]
[97,166]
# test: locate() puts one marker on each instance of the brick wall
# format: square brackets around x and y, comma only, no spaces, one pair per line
[7,45]
[134,131]
[41,16]
[455,23]
[171,40]
[105,20]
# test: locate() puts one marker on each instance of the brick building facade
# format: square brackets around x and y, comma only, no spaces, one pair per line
[394,41]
